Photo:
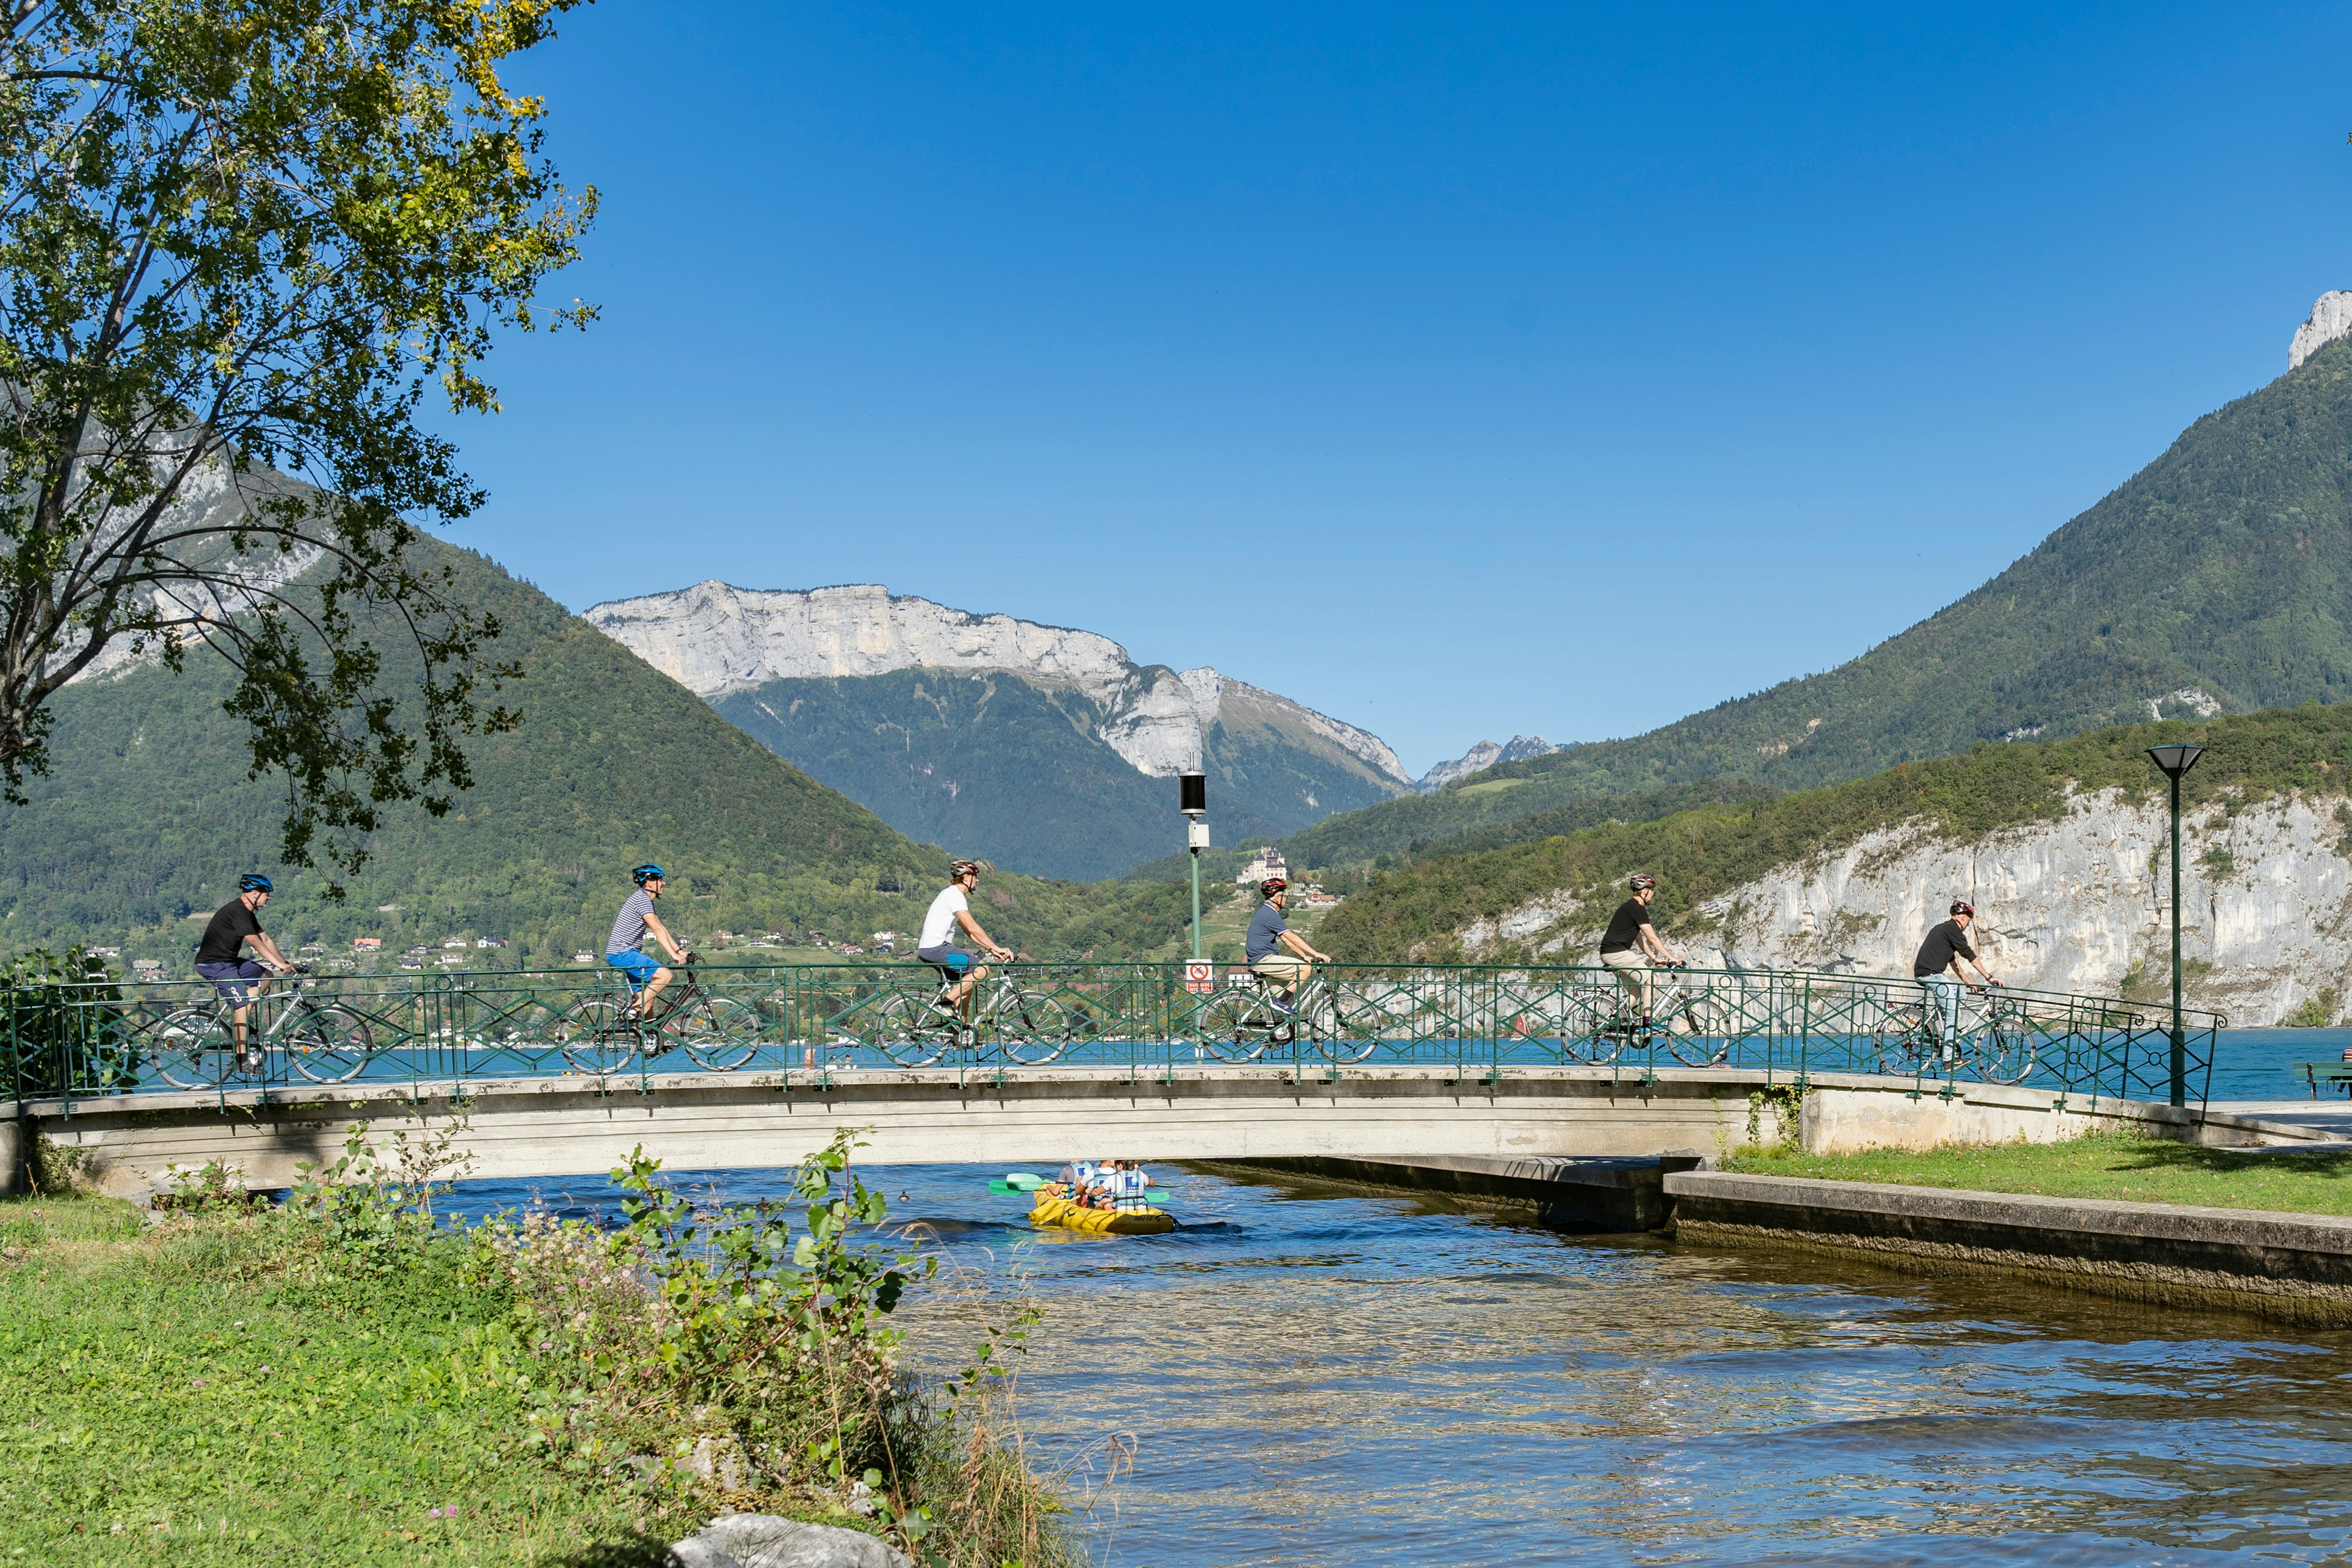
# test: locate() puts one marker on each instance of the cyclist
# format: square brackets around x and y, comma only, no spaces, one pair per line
[1937,969]
[949,912]
[623,949]
[220,955]
[1275,953]
[1632,946]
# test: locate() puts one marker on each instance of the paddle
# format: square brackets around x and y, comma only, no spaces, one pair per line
[1005,1187]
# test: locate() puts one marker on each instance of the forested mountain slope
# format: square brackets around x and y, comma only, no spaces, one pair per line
[2214,580]
[147,815]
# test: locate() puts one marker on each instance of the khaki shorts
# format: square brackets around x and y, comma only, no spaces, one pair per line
[1631,958]
[1282,969]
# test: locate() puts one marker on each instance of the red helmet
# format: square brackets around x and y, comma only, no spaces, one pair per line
[1962,907]
[960,869]
[1272,886]
[1642,880]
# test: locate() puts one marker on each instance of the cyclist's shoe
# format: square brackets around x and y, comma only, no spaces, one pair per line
[1287,1008]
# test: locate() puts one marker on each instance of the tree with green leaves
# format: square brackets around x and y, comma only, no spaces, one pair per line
[240,241]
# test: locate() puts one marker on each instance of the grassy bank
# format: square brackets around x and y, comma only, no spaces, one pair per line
[2126,1169]
[344,1383]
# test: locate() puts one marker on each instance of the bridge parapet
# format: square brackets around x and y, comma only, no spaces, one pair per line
[69,1045]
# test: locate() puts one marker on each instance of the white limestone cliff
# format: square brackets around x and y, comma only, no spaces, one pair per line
[2330,319]
[2074,905]
[716,639]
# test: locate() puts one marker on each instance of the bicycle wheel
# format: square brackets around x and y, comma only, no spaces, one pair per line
[1233,1027]
[2005,1053]
[1690,1038]
[191,1049]
[1904,1050]
[1035,1029]
[905,1029]
[327,1045]
[720,1033]
[1338,1024]
[594,1039]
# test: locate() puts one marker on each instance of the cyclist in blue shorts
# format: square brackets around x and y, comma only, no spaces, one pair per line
[623,949]
[220,956]
[949,913]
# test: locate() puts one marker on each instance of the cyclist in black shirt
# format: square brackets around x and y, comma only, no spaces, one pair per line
[220,955]
[1631,945]
[1937,968]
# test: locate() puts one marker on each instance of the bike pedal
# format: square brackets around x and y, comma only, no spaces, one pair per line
[967,1038]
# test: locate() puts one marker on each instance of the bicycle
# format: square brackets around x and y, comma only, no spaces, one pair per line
[1686,1016]
[194,1047]
[1240,1022]
[1028,1026]
[1909,1043]
[717,1033]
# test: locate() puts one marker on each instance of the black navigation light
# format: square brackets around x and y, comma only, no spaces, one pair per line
[1192,793]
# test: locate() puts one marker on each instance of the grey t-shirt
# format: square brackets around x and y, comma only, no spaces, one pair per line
[1264,927]
[629,925]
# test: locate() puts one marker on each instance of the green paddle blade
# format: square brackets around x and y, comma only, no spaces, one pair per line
[997,1186]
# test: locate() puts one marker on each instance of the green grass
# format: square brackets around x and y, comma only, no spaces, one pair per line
[169,1398]
[2126,1169]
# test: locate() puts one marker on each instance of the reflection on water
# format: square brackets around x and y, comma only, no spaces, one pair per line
[1311,1376]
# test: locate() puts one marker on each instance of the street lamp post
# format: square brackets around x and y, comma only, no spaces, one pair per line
[2176,761]
[1192,800]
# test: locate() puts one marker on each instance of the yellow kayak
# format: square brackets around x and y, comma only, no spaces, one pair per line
[1061,1212]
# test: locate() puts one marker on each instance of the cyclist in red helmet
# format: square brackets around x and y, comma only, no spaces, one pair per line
[1938,969]
[1277,954]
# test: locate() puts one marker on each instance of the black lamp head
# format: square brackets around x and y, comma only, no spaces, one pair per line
[2175,760]
[1192,793]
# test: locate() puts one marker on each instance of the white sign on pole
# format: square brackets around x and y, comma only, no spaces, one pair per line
[1200,979]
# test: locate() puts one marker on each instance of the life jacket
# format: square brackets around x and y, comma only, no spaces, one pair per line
[1129,1192]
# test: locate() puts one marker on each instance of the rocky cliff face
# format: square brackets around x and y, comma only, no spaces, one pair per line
[2079,904]
[715,640]
[2330,319]
[1481,757]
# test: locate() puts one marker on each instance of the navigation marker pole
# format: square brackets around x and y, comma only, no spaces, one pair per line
[2176,761]
[1192,800]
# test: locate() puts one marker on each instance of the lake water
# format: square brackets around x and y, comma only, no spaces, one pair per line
[1307,1377]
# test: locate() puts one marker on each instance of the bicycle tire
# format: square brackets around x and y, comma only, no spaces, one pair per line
[191,1049]
[1035,1029]
[1229,1027]
[1904,1052]
[594,1039]
[1334,1031]
[328,1045]
[719,1033]
[898,1028]
[2006,1051]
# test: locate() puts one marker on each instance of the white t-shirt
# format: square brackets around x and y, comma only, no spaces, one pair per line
[940,924]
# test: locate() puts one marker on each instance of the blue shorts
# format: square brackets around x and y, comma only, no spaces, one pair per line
[954,961]
[225,976]
[635,964]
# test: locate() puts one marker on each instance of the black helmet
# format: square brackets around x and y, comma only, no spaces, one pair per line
[254,882]
[647,873]
[1962,907]
[1272,886]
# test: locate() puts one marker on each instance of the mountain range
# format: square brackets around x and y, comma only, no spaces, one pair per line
[1046,749]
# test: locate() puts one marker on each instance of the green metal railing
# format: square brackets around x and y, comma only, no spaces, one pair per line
[814,1023]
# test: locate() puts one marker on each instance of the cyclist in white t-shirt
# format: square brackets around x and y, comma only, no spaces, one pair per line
[936,946]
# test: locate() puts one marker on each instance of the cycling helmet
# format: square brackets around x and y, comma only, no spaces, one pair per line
[254,882]
[1642,880]
[961,869]
[1272,886]
[1962,907]
[645,873]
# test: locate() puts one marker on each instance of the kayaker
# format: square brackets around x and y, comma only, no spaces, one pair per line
[1128,1187]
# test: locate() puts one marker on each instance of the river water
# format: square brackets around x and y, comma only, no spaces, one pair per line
[1308,1376]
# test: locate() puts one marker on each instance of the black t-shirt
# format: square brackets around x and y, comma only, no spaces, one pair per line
[223,939]
[1625,931]
[1935,952]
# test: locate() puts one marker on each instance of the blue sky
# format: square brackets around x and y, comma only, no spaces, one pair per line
[1457,370]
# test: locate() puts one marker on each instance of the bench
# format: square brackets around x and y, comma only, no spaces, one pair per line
[2335,1075]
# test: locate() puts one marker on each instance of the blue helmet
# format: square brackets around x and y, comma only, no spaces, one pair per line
[647,873]
[254,882]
